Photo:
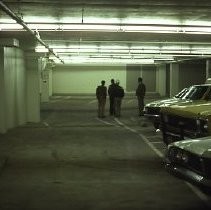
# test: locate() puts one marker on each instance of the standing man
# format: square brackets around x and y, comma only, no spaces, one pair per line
[101,93]
[118,95]
[111,92]
[140,93]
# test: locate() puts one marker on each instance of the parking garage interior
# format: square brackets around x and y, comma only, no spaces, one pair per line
[55,153]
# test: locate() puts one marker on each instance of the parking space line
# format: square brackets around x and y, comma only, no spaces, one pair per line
[142,136]
[156,142]
[92,102]
[130,101]
[201,195]
[106,122]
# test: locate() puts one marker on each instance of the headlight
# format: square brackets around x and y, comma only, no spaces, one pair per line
[184,157]
[198,122]
[177,155]
[204,126]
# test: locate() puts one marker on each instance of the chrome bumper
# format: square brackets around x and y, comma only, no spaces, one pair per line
[189,175]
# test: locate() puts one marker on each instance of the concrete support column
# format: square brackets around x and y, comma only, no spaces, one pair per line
[161,80]
[33,69]
[45,85]
[50,82]
[2,94]
[46,80]
[208,69]
[174,79]
[12,88]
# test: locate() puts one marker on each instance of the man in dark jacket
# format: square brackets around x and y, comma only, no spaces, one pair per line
[140,93]
[101,93]
[111,92]
[118,95]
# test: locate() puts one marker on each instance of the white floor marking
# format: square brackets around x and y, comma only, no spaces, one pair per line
[201,195]
[105,122]
[130,101]
[92,102]
[156,142]
[142,136]
[46,124]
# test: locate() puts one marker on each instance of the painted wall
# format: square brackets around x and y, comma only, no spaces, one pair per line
[84,79]
[186,74]
[147,72]
[161,79]
[12,88]
[133,72]
[191,73]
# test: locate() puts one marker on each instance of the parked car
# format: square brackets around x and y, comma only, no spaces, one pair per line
[186,120]
[191,160]
[195,92]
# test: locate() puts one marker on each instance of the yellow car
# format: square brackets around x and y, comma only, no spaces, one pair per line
[193,93]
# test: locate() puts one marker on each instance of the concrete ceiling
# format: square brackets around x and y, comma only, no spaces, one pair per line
[161,30]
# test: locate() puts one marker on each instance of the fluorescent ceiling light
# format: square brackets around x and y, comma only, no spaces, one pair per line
[91,20]
[149,20]
[88,27]
[4,20]
[10,26]
[80,60]
[44,26]
[111,27]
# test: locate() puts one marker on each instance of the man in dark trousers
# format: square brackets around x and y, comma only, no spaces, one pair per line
[111,92]
[101,93]
[118,95]
[140,93]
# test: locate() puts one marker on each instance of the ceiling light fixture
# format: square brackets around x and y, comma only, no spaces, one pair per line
[111,28]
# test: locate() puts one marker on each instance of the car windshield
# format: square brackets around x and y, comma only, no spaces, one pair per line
[182,93]
[196,92]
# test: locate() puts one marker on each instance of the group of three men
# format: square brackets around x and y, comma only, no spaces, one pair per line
[116,93]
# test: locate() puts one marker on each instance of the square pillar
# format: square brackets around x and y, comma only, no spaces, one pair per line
[33,89]
[161,80]
[174,79]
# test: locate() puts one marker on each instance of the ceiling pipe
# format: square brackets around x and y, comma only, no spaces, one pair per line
[33,33]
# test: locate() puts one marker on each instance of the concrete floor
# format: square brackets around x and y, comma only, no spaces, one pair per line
[72,160]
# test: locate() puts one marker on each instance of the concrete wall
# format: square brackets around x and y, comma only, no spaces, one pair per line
[186,74]
[12,88]
[161,79]
[147,72]
[192,73]
[84,79]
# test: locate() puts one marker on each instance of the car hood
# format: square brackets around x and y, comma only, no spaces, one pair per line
[164,102]
[201,146]
[189,109]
